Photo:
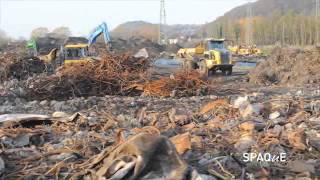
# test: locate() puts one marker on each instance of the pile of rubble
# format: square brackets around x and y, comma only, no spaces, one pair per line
[185,83]
[288,66]
[134,44]
[245,137]
[16,66]
[112,75]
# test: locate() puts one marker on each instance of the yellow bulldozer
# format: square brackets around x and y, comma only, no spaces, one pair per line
[244,50]
[49,57]
[75,51]
[208,57]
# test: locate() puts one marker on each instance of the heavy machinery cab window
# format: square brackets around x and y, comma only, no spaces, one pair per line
[215,45]
[76,53]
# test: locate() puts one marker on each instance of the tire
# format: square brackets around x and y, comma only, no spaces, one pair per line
[213,71]
[203,69]
[188,65]
[228,71]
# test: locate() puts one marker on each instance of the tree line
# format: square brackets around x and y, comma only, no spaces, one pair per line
[59,32]
[289,28]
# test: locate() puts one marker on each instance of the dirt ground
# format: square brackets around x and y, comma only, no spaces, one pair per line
[288,66]
[204,134]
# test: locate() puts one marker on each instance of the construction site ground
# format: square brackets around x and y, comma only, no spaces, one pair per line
[211,124]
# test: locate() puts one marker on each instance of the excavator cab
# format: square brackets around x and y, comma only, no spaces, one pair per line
[76,53]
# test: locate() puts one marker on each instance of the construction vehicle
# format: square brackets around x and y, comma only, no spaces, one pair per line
[244,50]
[74,49]
[101,29]
[32,47]
[208,57]
[49,57]
[33,51]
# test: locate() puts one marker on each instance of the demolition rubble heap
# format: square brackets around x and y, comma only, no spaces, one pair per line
[17,66]
[288,66]
[112,75]
[181,84]
[134,44]
[176,140]
[110,120]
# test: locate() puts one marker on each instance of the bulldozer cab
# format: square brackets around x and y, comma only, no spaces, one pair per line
[76,53]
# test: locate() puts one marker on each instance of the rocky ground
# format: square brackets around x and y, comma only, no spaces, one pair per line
[215,136]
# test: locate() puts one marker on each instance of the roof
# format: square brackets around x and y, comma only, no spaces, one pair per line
[214,39]
[75,40]
[76,45]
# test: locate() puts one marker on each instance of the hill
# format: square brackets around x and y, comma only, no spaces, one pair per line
[283,21]
[270,7]
[150,31]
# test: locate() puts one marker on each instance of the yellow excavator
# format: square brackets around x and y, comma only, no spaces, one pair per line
[208,57]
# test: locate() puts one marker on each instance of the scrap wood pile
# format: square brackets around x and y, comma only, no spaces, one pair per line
[110,76]
[77,147]
[288,66]
[185,83]
[114,75]
[15,66]
[217,141]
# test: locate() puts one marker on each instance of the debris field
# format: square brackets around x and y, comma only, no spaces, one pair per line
[288,66]
[111,119]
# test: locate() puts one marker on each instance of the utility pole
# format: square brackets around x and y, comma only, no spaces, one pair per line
[316,22]
[249,23]
[283,34]
[163,22]
[0,13]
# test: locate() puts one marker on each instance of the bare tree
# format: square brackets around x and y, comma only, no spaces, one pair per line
[61,32]
[39,32]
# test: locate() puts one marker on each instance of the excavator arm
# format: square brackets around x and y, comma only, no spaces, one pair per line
[101,29]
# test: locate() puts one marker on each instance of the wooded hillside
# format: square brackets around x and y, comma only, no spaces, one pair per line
[284,21]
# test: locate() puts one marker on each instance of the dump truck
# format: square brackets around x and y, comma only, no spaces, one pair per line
[208,57]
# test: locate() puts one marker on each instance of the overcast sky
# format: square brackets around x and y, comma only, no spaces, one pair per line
[19,17]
